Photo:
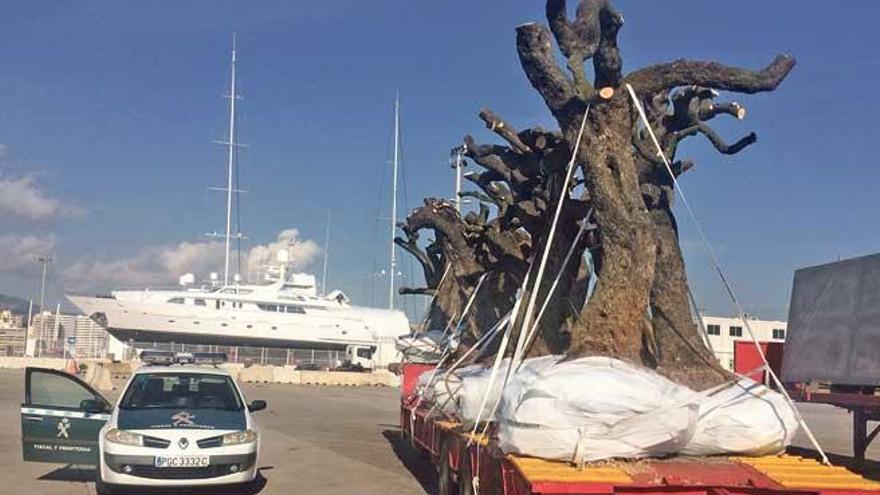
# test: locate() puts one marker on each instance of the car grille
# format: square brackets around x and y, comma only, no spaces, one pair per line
[181,473]
[207,443]
[159,443]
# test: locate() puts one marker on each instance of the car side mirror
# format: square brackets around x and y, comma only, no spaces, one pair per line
[257,405]
[93,406]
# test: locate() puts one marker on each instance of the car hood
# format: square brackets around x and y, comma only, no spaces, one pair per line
[181,418]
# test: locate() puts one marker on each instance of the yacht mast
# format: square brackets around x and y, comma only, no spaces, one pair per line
[230,144]
[393,261]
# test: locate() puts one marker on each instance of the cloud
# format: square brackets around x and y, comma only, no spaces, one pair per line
[301,253]
[151,266]
[164,264]
[19,253]
[22,197]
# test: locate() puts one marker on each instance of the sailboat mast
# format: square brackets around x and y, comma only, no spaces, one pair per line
[396,160]
[230,167]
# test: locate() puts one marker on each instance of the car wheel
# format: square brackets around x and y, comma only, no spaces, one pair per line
[102,488]
[253,486]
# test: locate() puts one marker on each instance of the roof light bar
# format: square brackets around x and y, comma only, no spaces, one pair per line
[155,357]
[209,357]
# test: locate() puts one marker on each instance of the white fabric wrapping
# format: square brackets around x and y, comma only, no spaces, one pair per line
[746,418]
[475,385]
[597,408]
[425,347]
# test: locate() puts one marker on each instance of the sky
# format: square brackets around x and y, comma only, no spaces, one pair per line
[109,109]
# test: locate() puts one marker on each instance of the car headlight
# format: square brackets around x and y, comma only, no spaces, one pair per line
[124,437]
[239,437]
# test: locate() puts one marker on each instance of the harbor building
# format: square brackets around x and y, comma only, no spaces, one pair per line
[89,338]
[724,332]
[12,334]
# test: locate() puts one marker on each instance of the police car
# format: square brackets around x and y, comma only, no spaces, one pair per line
[180,421]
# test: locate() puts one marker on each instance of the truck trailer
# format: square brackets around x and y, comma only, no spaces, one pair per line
[468,464]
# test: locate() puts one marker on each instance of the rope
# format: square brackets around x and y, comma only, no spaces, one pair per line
[520,344]
[534,330]
[448,350]
[703,332]
[470,302]
[727,286]
[484,340]
[502,348]
[533,297]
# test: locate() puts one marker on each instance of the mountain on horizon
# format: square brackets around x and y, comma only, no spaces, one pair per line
[17,305]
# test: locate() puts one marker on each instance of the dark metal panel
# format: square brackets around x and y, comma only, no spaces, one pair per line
[834,323]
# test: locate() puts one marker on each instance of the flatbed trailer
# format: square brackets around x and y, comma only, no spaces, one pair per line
[458,457]
[864,408]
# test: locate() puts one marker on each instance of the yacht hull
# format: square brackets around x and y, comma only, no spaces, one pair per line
[148,321]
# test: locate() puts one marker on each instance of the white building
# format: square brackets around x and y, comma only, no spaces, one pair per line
[723,332]
[50,331]
[12,334]
[89,337]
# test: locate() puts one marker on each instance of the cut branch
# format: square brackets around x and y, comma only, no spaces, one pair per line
[734,109]
[607,63]
[535,49]
[418,291]
[716,140]
[711,75]
[497,125]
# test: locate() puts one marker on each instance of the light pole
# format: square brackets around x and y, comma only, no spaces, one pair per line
[456,161]
[46,261]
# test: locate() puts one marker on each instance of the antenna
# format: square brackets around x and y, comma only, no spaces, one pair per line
[455,156]
[326,253]
[393,261]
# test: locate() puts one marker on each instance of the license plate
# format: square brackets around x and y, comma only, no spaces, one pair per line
[182,461]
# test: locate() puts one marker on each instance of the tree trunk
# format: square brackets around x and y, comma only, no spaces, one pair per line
[615,320]
[681,353]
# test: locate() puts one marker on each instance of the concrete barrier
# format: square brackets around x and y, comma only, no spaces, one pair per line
[99,377]
[379,378]
[257,374]
[287,374]
[291,375]
[234,369]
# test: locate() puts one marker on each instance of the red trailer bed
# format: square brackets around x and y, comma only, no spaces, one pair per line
[515,475]
[457,461]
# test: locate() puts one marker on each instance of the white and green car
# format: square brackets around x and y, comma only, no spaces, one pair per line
[173,425]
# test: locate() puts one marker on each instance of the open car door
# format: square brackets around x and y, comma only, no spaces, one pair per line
[60,418]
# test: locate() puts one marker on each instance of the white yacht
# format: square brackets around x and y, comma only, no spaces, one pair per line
[285,311]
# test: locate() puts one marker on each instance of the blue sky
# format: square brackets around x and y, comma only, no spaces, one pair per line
[109,108]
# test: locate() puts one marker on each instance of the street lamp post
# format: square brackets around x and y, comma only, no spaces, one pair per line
[46,261]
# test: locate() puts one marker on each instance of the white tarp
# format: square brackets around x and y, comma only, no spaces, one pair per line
[425,347]
[461,392]
[597,408]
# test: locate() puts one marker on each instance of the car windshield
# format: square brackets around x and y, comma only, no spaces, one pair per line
[174,390]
